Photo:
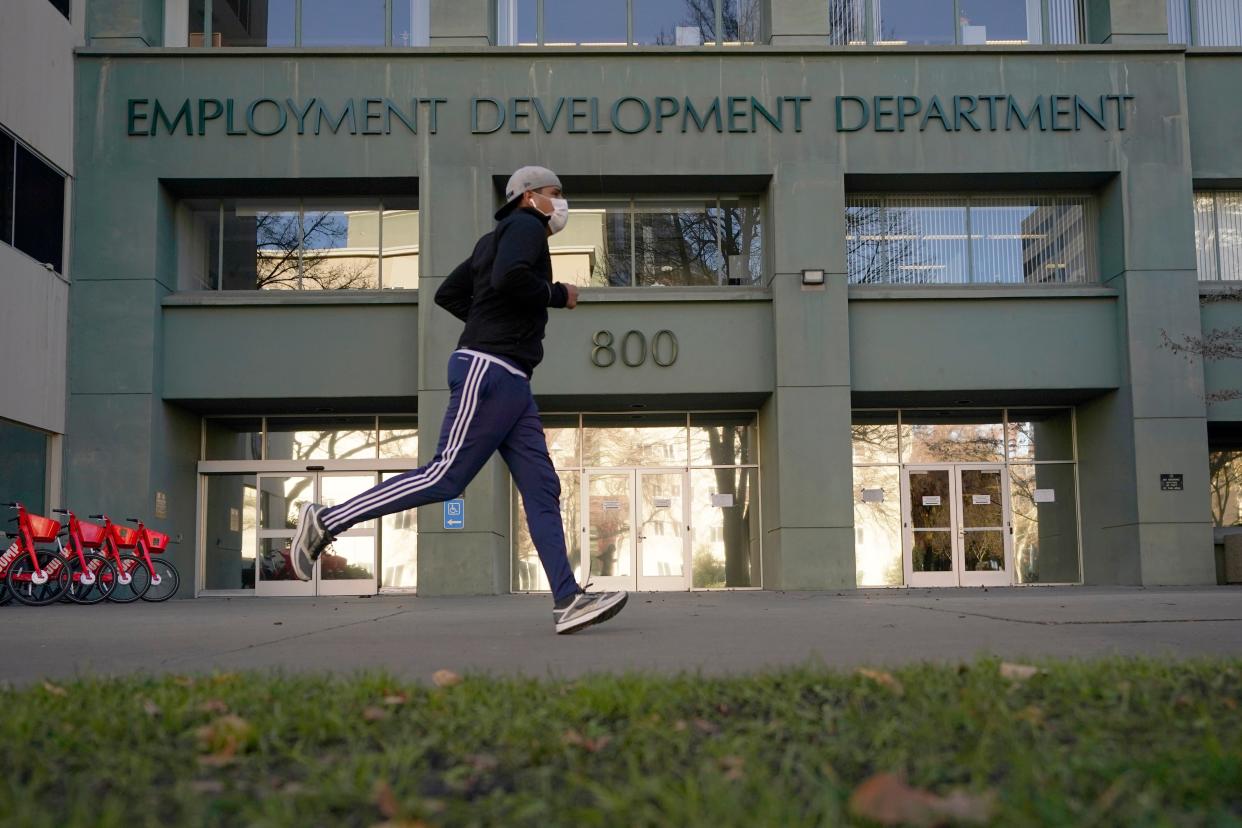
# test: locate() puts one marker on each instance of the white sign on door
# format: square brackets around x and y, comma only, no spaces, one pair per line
[662,502]
[931,500]
[612,505]
[722,501]
[1045,495]
[981,500]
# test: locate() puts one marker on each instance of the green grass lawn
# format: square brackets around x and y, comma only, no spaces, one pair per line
[1102,743]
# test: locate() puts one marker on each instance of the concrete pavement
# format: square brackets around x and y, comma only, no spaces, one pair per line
[716,633]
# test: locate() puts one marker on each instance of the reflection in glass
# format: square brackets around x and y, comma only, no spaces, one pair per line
[517,22]
[611,440]
[335,489]
[23,472]
[724,439]
[561,433]
[411,22]
[877,525]
[340,249]
[594,248]
[254,23]
[1179,21]
[274,560]
[233,438]
[1041,434]
[930,499]
[229,524]
[1002,22]
[917,22]
[321,438]
[400,244]
[1219,22]
[1031,239]
[528,574]
[984,550]
[724,541]
[609,533]
[198,242]
[661,524]
[574,23]
[661,23]
[982,520]
[349,558]
[333,23]
[874,436]
[398,438]
[1045,523]
[932,551]
[906,240]
[280,498]
[847,22]
[952,437]
[399,547]
[261,244]
[1064,22]
[741,22]
[1225,470]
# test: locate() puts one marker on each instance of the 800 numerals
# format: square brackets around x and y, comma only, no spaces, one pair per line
[633,349]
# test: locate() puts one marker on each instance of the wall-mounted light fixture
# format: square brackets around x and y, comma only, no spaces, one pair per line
[813,278]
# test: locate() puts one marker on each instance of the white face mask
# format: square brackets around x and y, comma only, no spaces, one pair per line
[559,216]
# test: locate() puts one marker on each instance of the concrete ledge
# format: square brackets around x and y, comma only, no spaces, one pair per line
[267,298]
[874,292]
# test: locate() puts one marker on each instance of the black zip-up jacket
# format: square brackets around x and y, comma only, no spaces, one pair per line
[503,291]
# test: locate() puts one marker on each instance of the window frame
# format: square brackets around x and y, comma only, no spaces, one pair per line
[1214,252]
[871,16]
[62,270]
[968,201]
[1189,14]
[718,43]
[389,7]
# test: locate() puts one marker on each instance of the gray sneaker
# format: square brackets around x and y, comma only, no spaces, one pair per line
[309,541]
[587,608]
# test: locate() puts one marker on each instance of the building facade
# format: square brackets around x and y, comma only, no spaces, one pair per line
[875,293]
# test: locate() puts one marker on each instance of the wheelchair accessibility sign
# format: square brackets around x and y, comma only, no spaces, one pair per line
[455,513]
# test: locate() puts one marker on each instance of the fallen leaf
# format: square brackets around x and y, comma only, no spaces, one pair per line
[882,678]
[1230,703]
[394,699]
[385,799]
[150,708]
[573,737]
[885,798]
[207,786]
[374,714]
[445,678]
[1032,715]
[55,689]
[222,739]
[704,726]
[1183,701]
[679,725]
[216,706]
[483,761]
[1017,672]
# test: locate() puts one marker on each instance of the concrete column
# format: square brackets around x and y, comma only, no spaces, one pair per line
[809,538]
[1127,21]
[798,22]
[462,23]
[455,208]
[123,24]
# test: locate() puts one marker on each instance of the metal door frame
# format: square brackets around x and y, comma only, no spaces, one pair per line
[958,576]
[664,583]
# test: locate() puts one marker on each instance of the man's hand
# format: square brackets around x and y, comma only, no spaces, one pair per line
[572,292]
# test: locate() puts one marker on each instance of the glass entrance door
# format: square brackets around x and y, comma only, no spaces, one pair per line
[347,568]
[635,530]
[956,525]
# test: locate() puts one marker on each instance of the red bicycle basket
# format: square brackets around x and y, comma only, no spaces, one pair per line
[43,529]
[158,541]
[92,534]
[126,538]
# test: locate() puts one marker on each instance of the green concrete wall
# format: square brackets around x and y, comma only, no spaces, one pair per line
[802,356]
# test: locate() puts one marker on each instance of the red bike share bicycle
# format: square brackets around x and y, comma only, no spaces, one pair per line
[138,574]
[92,576]
[33,576]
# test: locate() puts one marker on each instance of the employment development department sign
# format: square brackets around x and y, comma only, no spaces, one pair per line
[628,115]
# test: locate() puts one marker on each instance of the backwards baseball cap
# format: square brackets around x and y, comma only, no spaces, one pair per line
[523,181]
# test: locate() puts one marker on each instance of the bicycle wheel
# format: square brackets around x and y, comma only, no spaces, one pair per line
[21,579]
[5,596]
[99,588]
[132,582]
[169,580]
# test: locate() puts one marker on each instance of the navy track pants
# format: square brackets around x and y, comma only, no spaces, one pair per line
[490,408]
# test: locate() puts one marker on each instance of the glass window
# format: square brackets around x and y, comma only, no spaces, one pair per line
[61,6]
[230,521]
[561,433]
[724,538]
[400,243]
[1218,22]
[243,23]
[1218,235]
[1064,21]
[280,497]
[1225,468]
[742,22]
[39,210]
[724,439]
[613,440]
[874,436]
[660,23]
[23,474]
[1045,524]
[233,438]
[674,245]
[847,22]
[333,23]
[7,181]
[578,23]
[877,524]
[933,239]
[517,22]
[917,22]
[321,438]
[999,21]
[399,547]
[340,247]
[594,248]
[528,574]
[398,438]
[411,22]
[261,245]
[1179,21]
[1040,434]
[952,437]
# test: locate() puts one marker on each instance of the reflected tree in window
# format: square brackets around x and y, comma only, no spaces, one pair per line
[292,253]
[877,242]
[1225,468]
[740,19]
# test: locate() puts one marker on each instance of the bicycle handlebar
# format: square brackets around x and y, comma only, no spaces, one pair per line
[133,520]
[97,517]
[61,511]
[13,505]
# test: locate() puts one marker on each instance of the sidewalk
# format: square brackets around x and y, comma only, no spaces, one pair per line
[664,632]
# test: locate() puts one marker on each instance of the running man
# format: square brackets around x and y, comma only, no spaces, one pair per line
[502,293]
